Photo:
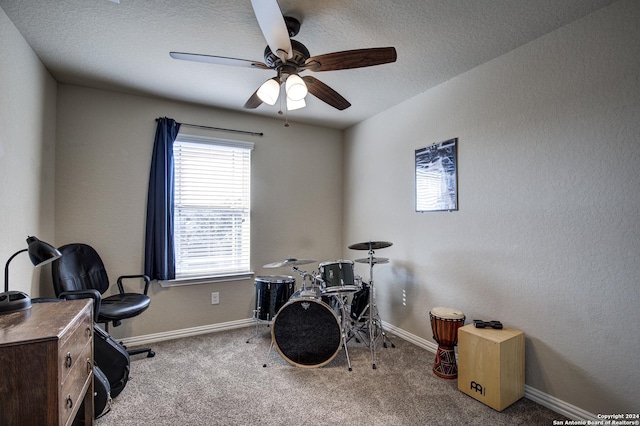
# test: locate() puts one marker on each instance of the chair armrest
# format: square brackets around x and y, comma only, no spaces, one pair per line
[85,294]
[146,279]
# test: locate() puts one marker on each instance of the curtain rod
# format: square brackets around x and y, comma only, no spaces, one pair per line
[221,129]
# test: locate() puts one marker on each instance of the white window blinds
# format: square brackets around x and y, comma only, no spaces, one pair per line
[211,207]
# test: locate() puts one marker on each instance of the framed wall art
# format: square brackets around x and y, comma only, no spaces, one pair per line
[437,177]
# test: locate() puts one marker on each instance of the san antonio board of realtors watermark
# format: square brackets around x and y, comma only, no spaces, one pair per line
[630,419]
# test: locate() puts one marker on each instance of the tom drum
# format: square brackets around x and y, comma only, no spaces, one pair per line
[272,293]
[338,276]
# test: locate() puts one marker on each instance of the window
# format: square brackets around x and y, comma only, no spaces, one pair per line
[211,207]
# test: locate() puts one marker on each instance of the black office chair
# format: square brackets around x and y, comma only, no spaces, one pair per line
[81,273]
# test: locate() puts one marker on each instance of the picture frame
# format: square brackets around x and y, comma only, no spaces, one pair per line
[436,177]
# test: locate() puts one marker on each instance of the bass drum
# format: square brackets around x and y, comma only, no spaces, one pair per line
[306,332]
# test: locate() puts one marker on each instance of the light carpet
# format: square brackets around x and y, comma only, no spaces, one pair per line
[219,379]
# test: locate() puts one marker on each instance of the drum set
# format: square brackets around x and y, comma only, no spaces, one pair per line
[310,325]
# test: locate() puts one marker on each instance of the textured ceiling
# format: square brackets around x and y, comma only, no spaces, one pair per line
[125,47]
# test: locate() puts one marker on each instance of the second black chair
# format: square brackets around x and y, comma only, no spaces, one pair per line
[80,269]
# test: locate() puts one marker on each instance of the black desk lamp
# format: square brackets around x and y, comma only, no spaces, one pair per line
[40,254]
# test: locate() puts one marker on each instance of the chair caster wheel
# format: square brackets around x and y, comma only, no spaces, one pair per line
[151,354]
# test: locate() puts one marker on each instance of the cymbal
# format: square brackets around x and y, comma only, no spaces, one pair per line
[375,260]
[288,262]
[371,245]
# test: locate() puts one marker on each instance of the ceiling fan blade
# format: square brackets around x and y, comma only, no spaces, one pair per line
[351,59]
[273,27]
[325,93]
[253,102]
[218,60]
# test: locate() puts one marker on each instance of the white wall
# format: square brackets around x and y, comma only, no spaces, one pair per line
[27,137]
[547,235]
[103,154]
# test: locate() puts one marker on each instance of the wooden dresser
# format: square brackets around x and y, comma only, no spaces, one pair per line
[46,364]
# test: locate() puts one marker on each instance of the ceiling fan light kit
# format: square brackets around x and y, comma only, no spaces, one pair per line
[269,91]
[293,105]
[289,58]
[295,88]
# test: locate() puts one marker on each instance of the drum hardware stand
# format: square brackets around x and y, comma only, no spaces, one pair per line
[304,276]
[343,326]
[373,323]
[370,330]
[264,365]
[257,321]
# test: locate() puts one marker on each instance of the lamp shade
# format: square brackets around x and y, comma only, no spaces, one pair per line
[269,91]
[296,89]
[40,252]
[292,105]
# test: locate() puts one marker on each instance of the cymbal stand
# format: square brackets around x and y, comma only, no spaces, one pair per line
[373,322]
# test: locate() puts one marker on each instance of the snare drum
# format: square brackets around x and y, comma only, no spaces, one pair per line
[444,324]
[307,332]
[272,292]
[338,276]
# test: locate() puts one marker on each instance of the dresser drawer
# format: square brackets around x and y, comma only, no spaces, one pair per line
[73,386]
[73,343]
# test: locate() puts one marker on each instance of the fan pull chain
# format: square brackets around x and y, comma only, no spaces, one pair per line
[286,116]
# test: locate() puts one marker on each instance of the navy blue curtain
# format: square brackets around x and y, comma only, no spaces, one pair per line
[159,254]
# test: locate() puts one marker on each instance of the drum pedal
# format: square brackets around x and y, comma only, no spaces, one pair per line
[484,324]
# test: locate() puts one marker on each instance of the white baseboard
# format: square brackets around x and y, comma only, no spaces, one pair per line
[546,400]
[186,332]
[557,405]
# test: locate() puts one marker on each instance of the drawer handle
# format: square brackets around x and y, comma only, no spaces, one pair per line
[68,361]
[89,366]
[88,331]
[69,401]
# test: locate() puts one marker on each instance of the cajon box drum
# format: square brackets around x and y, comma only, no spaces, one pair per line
[491,365]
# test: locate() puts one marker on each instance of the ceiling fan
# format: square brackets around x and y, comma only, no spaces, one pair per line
[289,58]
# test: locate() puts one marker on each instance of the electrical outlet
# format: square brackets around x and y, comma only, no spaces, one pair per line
[215,298]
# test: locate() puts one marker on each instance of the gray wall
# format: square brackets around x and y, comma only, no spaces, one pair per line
[547,236]
[27,149]
[103,154]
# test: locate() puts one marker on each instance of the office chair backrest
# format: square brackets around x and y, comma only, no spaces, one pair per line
[79,268]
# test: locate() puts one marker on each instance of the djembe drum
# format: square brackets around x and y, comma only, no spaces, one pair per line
[445,323]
